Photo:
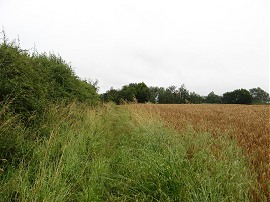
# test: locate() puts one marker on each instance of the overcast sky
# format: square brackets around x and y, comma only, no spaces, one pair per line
[208,45]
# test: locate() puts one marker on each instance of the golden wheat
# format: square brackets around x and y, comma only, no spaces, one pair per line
[247,124]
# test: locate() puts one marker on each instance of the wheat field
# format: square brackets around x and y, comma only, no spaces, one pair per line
[247,124]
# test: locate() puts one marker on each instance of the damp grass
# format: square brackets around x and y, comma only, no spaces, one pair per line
[113,153]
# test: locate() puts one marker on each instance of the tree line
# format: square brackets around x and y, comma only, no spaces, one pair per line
[141,93]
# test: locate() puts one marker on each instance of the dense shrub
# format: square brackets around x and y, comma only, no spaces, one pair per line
[19,81]
[33,81]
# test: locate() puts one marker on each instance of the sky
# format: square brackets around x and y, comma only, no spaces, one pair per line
[209,45]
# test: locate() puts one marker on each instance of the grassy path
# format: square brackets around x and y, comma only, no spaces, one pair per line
[116,154]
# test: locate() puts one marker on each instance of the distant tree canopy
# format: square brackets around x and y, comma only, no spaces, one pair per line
[32,81]
[259,95]
[134,92]
[213,98]
[195,98]
[174,95]
[239,96]
[141,93]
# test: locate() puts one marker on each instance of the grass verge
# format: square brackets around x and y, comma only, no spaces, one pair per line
[116,154]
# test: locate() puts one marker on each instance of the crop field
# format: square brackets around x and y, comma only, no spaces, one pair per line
[114,154]
[138,153]
[247,124]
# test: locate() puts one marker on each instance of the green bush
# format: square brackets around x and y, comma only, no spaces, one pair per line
[33,81]
[19,82]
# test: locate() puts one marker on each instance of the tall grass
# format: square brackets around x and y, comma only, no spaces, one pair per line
[248,125]
[114,154]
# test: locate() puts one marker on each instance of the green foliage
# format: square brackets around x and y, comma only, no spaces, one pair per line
[153,94]
[213,98]
[172,95]
[168,95]
[111,95]
[20,82]
[239,96]
[130,93]
[184,94]
[33,81]
[141,93]
[195,98]
[259,95]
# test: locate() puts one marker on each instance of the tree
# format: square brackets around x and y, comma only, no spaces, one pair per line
[184,94]
[213,98]
[111,95]
[259,95]
[127,93]
[195,98]
[154,93]
[142,92]
[161,95]
[174,95]
[132,92]
[135,91]
[239,96]
[168,95]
